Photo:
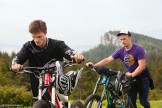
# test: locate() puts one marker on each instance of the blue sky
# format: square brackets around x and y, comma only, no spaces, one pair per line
[80,23]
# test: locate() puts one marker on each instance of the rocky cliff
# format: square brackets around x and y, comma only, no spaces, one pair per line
[109,38]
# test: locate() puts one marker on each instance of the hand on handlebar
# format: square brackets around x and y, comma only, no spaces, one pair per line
[78,57]
[100,70]
[16,67]
[89,64]
[128,75]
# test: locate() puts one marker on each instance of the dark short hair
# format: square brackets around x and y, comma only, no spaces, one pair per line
[37,26]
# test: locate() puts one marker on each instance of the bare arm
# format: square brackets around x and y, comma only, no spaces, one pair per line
[139,69]
[102,62]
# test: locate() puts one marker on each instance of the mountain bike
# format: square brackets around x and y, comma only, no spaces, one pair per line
[116,87]
[53,80]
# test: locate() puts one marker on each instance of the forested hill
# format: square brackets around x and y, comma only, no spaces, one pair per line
[109,43]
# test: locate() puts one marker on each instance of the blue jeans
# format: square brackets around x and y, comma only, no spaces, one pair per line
[142,87]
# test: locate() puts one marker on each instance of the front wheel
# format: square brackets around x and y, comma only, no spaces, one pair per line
[92,101]
[77,104]
[41,104]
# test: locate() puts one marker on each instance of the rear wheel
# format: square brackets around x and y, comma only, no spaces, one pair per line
[92,101]
[41,104]
[77,104]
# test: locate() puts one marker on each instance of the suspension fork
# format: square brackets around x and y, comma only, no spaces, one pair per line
[40,86]
[53,94]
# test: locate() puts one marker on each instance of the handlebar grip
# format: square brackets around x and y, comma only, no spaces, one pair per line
[10,69]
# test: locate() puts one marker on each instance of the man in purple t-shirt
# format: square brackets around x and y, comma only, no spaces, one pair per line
[134,58]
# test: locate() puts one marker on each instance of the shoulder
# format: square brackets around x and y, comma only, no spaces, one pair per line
[27,44]
[139,49]
[120,49]
[137,46]
[118,52]
[55,41]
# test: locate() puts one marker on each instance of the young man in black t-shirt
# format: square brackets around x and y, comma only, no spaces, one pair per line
[41,50]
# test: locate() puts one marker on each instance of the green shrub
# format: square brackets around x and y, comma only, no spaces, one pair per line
[15,95]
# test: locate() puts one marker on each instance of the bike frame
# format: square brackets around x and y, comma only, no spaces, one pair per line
[113,89]
[46,83]
[104,92]
[48,76]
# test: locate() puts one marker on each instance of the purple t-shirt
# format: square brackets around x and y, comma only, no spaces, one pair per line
[130,58]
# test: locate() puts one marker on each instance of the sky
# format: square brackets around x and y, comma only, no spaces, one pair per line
[80,23]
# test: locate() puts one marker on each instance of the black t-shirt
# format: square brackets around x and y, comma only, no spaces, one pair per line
[54,49]
[38,57]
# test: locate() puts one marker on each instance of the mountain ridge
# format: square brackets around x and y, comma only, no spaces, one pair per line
[109,43]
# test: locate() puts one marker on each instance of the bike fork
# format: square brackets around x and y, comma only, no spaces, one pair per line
[53,94]
[40,87]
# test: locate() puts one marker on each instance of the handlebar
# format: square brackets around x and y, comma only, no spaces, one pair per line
[103,71]
[67,63]
[48,66]
[37,68]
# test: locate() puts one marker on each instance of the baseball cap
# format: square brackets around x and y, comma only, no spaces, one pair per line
[124,31]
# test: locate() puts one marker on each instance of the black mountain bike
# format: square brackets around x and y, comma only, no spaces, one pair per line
[116,87]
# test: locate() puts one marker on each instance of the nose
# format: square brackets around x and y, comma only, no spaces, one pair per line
[36,40]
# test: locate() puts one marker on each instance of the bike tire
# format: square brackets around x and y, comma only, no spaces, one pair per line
[41,104]
[91,98]
[77,104]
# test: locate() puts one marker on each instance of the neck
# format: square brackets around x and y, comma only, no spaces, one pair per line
[128,47]
[44,44]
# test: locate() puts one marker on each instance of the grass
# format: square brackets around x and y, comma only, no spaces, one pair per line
[156,104]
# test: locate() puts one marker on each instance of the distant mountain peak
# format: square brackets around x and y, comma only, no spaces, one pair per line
[109,38]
